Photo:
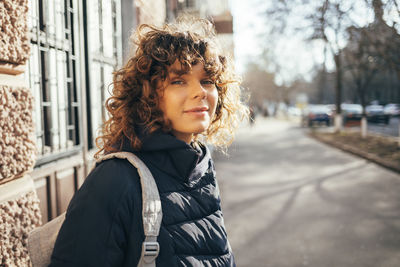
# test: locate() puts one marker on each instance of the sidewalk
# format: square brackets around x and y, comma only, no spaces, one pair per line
[290,200]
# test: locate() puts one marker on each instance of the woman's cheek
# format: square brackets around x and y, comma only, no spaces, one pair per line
[214,100]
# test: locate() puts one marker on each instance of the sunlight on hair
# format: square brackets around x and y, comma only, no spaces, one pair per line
[134,104]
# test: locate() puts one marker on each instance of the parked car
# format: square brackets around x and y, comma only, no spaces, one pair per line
[376,114]
[352,113]
[317,114]
[392,109]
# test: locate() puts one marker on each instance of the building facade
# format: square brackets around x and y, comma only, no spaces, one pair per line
[74,50]
[218,12]
[56,64]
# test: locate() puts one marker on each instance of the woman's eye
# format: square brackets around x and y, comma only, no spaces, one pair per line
[177,82]
[208,82]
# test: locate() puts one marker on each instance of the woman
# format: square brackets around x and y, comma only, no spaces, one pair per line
[177,92]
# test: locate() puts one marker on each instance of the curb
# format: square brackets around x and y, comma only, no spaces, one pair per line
[371,157]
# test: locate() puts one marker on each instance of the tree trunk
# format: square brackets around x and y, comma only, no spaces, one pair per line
[364,122]
[364,126]
[338,121]
[398,94]
[399,137]
[322,80]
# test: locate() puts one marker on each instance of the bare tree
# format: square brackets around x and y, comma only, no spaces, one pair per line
[361,60]
[384,37]
[327,21]
[372,49]
[388,43]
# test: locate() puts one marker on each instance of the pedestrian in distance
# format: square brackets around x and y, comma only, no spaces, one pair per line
[177,93]
[252,115]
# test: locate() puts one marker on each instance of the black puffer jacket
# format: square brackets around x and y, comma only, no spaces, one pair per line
[103,225]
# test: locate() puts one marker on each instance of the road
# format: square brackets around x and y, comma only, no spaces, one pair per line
[392,129]
[291,201]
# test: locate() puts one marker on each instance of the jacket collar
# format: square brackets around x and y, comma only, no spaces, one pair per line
[173,156]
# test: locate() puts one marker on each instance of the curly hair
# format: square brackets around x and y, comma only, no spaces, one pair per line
[133,107]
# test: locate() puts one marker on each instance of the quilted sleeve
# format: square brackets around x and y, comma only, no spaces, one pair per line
[98,220]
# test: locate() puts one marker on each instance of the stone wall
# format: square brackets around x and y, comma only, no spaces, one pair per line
[14,41]
[17,147]
[19,214]
[19,204]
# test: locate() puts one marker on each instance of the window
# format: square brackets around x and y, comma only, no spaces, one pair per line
[104,55]
[54,72]
[186,4]
[53,75]
[190,3]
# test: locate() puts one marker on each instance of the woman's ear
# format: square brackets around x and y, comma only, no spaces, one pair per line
[160,88]
[146,89]
[219,105]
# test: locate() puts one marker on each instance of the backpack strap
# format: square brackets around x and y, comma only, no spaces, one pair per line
[151,209]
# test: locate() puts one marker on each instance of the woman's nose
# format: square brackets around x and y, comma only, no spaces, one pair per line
[198,90]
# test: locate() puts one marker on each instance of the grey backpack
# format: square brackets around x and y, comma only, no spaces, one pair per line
[41,240]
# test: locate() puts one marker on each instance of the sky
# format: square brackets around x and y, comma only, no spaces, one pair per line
[295,57]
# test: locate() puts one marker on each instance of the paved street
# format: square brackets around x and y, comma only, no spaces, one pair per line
[392,129]
[291,201]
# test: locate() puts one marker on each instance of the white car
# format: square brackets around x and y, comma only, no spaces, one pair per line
[392,109]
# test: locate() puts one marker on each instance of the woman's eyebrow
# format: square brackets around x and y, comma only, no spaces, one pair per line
[178,72]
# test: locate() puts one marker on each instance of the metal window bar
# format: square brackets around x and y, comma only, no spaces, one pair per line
[71,81]
[114,27]
[52,75]
[190,4]
[104,55]
[117,36]
[187,6]
[101,52]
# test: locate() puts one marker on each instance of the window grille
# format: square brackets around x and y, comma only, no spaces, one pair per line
[190,3]
[104,56]
[53,75]
[186,5]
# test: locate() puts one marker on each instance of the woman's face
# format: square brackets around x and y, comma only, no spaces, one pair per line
[188,100]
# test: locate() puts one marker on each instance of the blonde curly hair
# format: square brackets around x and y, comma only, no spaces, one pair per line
[134,103]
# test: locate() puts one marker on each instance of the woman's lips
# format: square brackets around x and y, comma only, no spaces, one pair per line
[200,112]
[197,109]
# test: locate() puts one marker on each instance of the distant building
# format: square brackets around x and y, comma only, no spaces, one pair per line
[218,12]
[374,46]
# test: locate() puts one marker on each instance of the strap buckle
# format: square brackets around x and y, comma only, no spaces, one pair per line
[150,251]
